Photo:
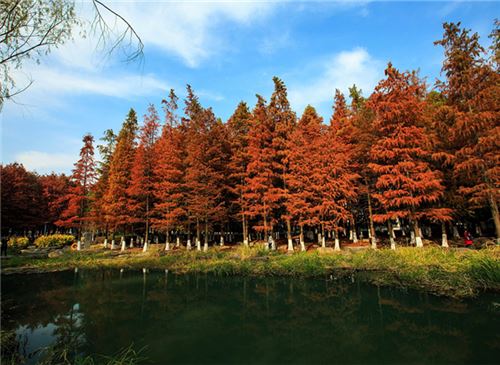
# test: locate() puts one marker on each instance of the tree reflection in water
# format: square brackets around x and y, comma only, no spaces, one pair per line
[211,319]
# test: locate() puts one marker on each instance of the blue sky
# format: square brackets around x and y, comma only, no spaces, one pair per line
[227,51]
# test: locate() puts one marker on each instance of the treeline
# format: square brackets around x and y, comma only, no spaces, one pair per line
[401,158]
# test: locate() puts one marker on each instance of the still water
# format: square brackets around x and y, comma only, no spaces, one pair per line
[186,319]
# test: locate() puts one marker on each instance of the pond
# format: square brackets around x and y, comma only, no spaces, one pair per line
[200,319]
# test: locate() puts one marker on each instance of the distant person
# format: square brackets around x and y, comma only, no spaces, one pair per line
[4,247]
[467,238]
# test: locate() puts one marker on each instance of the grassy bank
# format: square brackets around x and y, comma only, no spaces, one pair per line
[456,273]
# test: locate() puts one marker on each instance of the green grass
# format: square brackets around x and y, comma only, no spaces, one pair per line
[454,273]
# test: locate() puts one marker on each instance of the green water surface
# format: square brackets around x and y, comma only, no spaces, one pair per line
[200,319]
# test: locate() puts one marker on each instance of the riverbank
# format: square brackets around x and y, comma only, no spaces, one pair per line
[456,273]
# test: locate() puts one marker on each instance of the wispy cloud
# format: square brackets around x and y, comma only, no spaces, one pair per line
[339,71]
[45,162]
[191,30]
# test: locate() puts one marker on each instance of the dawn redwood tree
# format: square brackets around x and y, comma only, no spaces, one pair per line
[407,186]
[54,189]
[304,174]
[284,120]
[238,126]
[201,178]
[142,185]
[362,138]
[22,200]
[169,173]
[441,119]
[78,198]
[338,186]
[472,89]
[259,173]
[218,157]
[117,199]
[106,150]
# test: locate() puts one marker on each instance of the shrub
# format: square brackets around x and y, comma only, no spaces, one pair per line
[18,242]
[54,240]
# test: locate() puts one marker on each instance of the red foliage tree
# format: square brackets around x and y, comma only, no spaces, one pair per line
[78,197]
[101,187]
[201,178]
[142,184]
[406,183]
[22,200]
[472,91]
[55,188]
[238,127]
[304,176]
[117,200]
[169,174]
[259,173]
[340,189]
[283,121]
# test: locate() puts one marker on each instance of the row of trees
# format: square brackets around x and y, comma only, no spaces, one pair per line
[401,156]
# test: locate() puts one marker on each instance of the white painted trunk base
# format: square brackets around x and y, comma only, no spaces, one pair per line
[188,245]
[374,242]
[221,243]
[145,248]
[337,244]
[112,244]
[177,242]
[105,243]
[198,245]
[418,241]
[131,243]
[412,237]
[302,246]
[167,246]
[205,247]
[444,240]
[393,243]
[78,246]
[290,245]
[323,242]
[123,245]
[354,237]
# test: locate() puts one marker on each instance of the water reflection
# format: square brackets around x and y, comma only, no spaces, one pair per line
[207,319]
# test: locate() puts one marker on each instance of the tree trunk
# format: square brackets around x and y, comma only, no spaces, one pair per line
[323,240]
[112,244]
[289,235]
[418,238]
[337,240]
[301,238]
[177,241]
[373,237]
[444,239]
[391,235]
[496,216]
[245,230]
[167,241]
[131,242]
[105,243]
[354,232]
[147,224]
[205,246]
[123,244]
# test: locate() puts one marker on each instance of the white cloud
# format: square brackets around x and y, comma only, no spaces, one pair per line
[189,30]
[45,162]
[49,82]
[339,71]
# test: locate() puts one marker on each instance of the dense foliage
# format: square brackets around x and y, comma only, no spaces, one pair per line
[403,158]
